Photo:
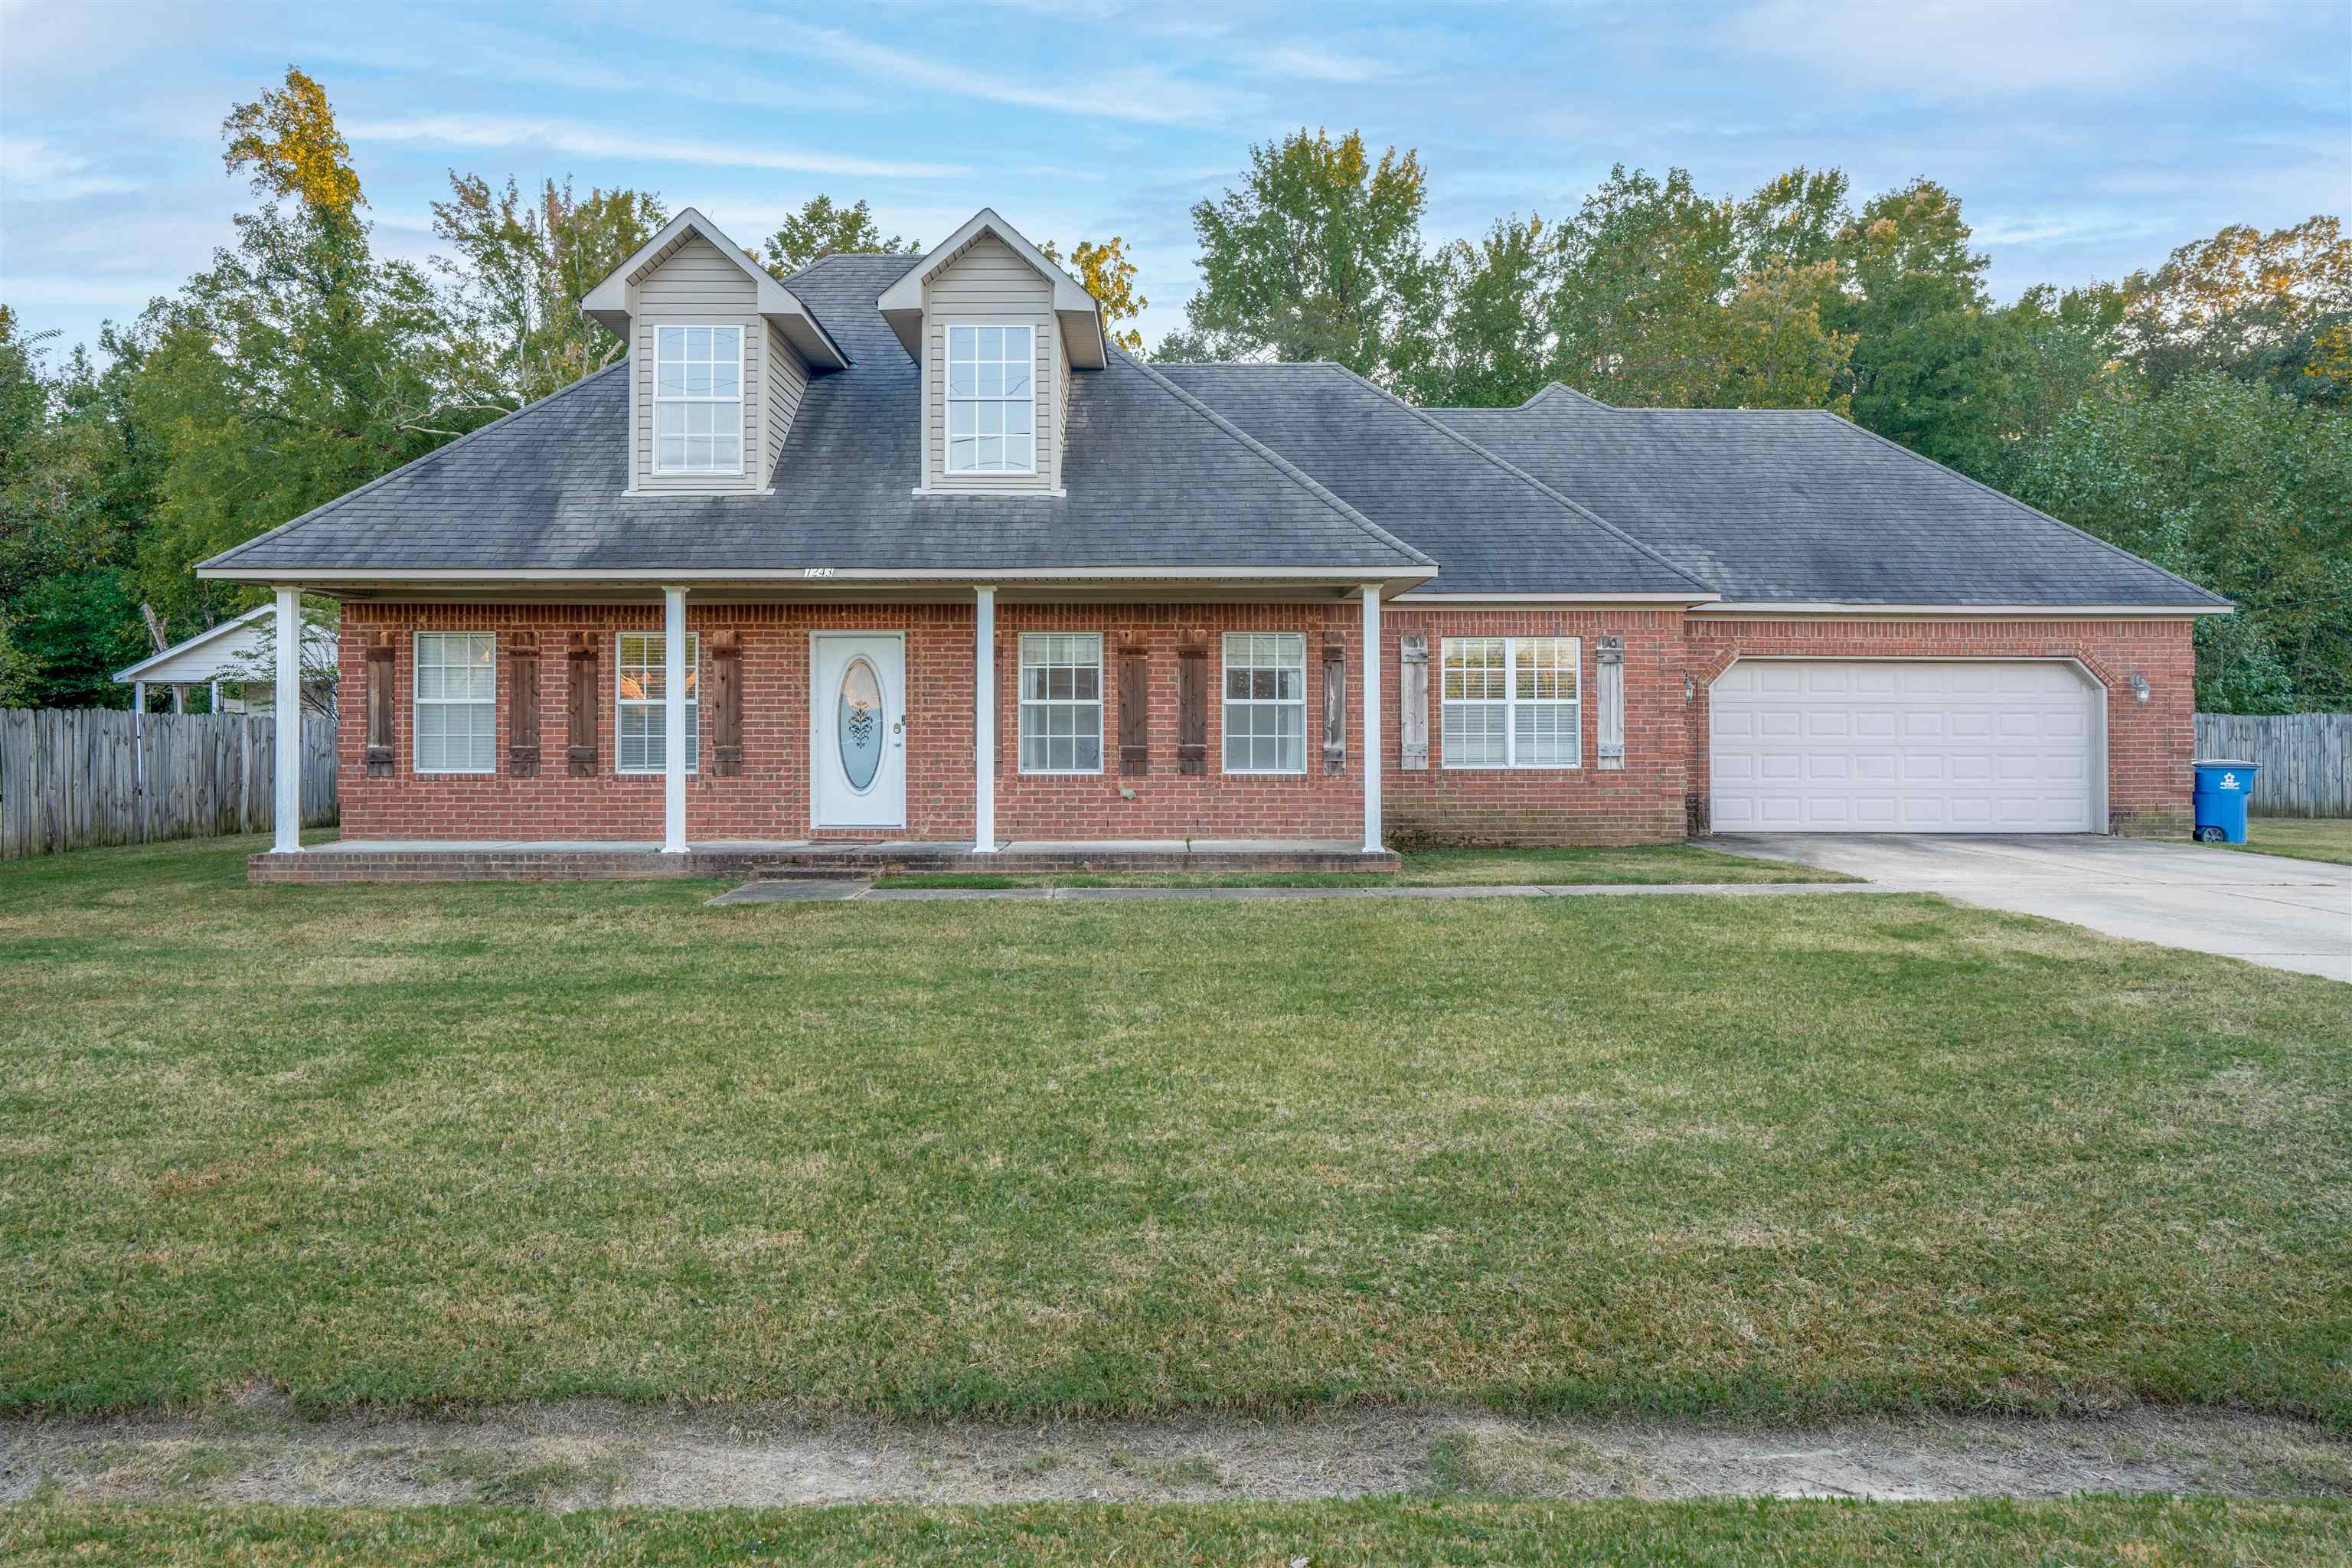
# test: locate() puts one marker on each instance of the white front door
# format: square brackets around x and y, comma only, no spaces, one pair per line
[858,730]
[1904,746]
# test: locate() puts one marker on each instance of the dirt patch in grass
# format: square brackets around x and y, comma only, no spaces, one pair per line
[593,1454]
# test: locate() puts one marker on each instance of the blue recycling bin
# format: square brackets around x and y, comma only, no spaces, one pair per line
[2221,791]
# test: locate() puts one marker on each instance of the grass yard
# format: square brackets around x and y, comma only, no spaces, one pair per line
[435,1145]
[2086,1532]
[1645,863]
[2327,838]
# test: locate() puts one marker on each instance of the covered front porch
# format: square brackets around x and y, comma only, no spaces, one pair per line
[554,860]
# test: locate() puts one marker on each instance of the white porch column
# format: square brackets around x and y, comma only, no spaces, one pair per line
[984,723]
[287,717]
[674,674]
[1372,845]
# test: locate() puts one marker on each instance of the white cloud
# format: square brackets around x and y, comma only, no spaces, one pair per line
[594,142]
[1149,97]
[1322,65]
[34,169]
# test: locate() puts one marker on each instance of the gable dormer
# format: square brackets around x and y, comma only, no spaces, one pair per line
[999,331]
[720,353]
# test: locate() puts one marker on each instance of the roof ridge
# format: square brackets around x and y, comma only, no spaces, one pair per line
[2033,512]
[1517,472]
[1282,464]
[414,463]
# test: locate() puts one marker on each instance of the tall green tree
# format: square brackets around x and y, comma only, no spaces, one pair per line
[296,367]
[1492,347]
[1637,316]
[1926,368]
[2235,486]
[522,266]
[1317,255]
[2274,307]
[821,228]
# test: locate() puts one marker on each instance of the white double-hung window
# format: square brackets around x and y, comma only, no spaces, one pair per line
[640,711]
[1061,702]
[1511,702]
[456,702]
[697,400]
[991,400]
[1265,702]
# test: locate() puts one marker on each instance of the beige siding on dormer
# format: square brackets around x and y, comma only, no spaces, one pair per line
[989,286]
[1062,411]
[696,286]
[787,380]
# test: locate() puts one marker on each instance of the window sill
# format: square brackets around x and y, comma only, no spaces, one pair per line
[682,491]
[1510,767]
[996,495]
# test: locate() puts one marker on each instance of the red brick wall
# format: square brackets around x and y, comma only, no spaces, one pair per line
[1665,733]
[2148,744]
[1165,804]
[1640,803]
[768,799]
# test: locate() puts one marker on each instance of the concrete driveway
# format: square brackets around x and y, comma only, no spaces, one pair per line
[2265,909]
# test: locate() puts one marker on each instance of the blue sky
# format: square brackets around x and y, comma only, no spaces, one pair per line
[2084,140]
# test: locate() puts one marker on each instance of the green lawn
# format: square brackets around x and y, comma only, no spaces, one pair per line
[2325,838]
[1785,1158]
[1645,864]
[1390,1532]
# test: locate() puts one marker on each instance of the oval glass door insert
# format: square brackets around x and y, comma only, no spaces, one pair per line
[858,724]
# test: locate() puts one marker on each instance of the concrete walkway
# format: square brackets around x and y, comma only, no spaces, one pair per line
[782,890]
[2265,909]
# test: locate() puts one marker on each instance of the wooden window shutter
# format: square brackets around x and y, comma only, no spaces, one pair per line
[1335,703]
[727,703]
[580,697]
[1134,710]
[379,656]
[1193,705]
[522,723]
[1412,704]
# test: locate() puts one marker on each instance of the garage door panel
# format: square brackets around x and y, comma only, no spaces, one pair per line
[1854,745]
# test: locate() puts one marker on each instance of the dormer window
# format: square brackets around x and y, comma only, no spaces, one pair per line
[991,400]
[699,400]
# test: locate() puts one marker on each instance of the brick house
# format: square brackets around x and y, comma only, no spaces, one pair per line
[904,548]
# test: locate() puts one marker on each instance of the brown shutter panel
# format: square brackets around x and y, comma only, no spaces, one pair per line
[522,726]
[380,655]
[1193,705]
[1412,703]
[727,703]
[1134,710]
[1335,703]
[580,696]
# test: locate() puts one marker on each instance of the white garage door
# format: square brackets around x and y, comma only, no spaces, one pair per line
[1833,746]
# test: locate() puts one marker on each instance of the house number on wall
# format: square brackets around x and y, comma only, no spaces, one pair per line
[816,571]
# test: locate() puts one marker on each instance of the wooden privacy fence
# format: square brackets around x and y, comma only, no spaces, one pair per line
[72,778]
[2306,759]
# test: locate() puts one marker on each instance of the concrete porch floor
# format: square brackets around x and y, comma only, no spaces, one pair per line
[520,859]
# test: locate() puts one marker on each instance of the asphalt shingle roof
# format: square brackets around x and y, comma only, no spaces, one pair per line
[1806,507]
[1154,479]
[1493,529]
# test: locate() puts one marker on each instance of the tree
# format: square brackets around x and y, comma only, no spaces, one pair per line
[2274,307]
[1924,370]
[67,636]
[1778,352]
[1491,346]
[523,269]
[2234,485]
[1315,256]
[821,229]
[296,368]
[1106,273]
[1637,317]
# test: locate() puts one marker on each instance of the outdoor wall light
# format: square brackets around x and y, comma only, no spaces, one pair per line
[1690,687]
[2139,687]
